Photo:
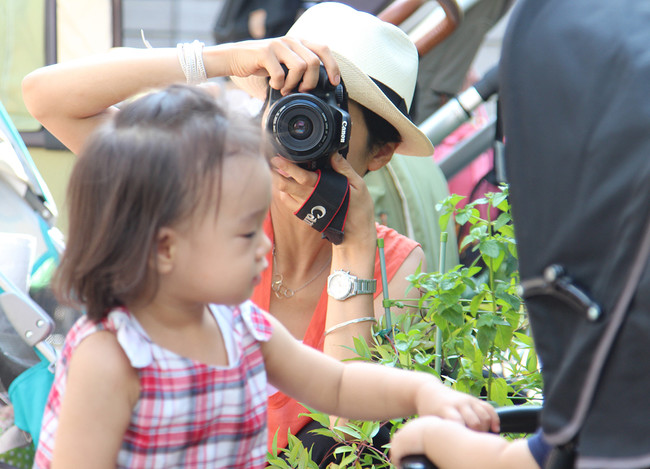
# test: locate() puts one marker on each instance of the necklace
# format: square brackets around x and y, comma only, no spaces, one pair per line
[281,290]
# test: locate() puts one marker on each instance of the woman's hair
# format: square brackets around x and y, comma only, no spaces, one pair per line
[380,131]
[152,165]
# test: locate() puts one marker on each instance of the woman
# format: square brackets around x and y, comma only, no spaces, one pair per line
[378,65]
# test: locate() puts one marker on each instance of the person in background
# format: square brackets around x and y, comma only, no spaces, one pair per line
[239,20]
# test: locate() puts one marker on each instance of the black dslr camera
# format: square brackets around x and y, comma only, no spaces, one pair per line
[307,128]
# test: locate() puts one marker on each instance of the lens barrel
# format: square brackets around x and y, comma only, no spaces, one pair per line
[307,128]
[302,127]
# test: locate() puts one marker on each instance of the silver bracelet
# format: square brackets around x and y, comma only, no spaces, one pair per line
[347,323]
[190,56]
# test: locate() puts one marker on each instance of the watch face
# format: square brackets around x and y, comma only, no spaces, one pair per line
[340,285]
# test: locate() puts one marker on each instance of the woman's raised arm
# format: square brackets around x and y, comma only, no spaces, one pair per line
[70,99]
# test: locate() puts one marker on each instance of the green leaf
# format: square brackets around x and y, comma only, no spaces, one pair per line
[502,220]
[463,216]
[348,430]
[423,359]
[370,429]
[490,248]
[498,391]
[497,200]
[485,337]
[480,201]
[507,230]
[453,314]
[450,202]
[512,301]
[531,362]
[503,337]
[361,348]
[319,417]
[476,303]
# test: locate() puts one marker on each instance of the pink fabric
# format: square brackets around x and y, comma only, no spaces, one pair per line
[463,182]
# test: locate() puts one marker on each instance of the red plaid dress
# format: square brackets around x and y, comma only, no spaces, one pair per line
[189,414]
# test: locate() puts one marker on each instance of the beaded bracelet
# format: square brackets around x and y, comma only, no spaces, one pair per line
[347,323]
[190,56]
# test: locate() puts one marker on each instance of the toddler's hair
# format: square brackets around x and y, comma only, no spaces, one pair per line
[152,165]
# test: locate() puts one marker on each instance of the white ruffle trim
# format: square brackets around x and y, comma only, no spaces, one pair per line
[136,347]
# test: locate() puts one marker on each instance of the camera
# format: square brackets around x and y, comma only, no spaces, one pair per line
[307,128]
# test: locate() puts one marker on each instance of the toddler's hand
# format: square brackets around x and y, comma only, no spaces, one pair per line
[458,407]
[411,439]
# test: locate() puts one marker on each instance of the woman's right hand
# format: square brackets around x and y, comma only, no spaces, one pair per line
[265,58]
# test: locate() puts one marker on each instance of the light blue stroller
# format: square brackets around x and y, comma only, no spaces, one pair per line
[32,325]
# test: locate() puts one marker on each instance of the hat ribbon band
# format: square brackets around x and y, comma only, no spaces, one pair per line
[393,97]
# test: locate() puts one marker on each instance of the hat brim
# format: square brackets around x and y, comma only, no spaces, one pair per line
[364,91]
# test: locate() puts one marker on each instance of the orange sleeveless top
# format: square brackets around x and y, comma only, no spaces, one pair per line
[283,411]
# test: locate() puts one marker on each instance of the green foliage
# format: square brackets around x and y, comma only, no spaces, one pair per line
[469,328]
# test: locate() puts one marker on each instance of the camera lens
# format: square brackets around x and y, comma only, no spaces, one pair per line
[300,127]
[304,128]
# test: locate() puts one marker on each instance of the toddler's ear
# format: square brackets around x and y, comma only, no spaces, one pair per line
[165,250]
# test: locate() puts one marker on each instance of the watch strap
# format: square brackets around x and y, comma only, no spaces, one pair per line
[365,286]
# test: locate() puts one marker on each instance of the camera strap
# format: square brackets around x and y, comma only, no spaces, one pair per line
[327,207]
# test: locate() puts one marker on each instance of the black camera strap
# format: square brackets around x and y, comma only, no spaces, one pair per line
[327,207]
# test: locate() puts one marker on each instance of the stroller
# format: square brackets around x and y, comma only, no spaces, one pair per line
[574,87]
[30,246]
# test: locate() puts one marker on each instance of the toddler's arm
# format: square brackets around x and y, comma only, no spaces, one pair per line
[101,391]
[366,391]
[452,446]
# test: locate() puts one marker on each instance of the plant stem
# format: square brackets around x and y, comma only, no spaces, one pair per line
[441,269]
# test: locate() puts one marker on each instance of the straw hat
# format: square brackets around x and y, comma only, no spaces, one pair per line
[378,64]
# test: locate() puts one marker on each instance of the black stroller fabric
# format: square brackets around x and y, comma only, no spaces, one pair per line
[575,91]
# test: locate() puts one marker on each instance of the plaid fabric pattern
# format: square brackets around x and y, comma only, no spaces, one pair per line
[189,415]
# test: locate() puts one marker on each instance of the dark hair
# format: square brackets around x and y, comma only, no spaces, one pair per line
[380,131]
[150,166]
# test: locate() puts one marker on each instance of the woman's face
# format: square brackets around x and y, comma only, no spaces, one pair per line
[358,153]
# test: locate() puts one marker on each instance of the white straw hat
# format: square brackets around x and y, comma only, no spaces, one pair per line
[378,63]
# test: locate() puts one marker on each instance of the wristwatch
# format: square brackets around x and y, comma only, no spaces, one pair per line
[342,285]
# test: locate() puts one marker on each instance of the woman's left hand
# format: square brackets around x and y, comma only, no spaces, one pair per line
[296,184]
[360,222]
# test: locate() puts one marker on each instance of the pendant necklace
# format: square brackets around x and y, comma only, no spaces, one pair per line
[281,290]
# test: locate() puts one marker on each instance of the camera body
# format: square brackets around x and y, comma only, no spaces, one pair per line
[307,128]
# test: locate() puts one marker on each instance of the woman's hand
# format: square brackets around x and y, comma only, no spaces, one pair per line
[266,57]
[360,222]
[296,184]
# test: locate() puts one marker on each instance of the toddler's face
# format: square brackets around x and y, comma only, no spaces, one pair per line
[222,255]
